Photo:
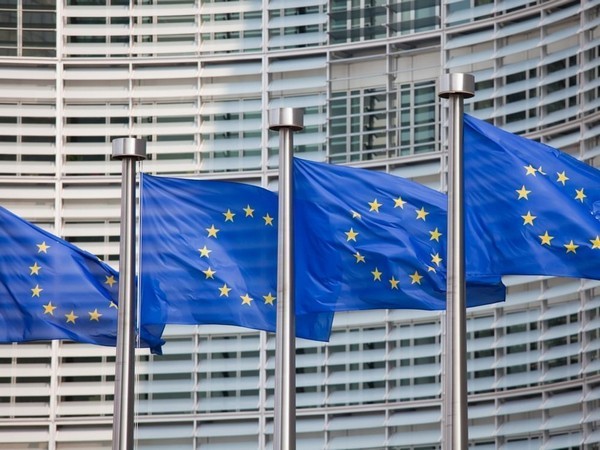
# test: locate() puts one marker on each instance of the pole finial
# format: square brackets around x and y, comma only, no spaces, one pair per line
[457,83]
[129,148]
[292,118]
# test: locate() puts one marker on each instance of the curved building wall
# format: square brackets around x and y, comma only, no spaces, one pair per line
[196,79]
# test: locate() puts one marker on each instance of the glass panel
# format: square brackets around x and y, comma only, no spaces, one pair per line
[38,4]
[8,19]
[39,20]
[39,38]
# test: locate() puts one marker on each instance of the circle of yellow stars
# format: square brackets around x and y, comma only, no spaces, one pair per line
[49,308]
[213,232]
[374,207]
[578,195]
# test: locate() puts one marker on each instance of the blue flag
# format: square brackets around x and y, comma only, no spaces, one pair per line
[370,240]
[209,256]
[50,289]
[530,209]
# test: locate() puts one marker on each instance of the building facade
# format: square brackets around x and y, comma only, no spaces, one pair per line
[196,80]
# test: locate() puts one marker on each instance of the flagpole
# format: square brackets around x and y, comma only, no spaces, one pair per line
[129,150]
[456,87]
[286,121]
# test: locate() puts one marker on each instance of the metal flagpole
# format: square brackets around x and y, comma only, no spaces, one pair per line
[456,87]
[286,121]
[129,150]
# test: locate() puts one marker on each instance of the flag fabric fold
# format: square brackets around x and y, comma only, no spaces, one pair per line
[370,240]
[51,289]
[530,208]
[209,256]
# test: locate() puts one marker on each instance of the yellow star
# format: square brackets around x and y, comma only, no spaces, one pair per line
[562,177]
[355,215]
[212,231]
[71,317]
[249,211]
[224,290]
[49,309]
[246,299]
[269,299]
[268,220]
[595,242]
[421,213]
[113,305]
[394,283]
[35,292]
[95,315]
[110,280]
[571,247]
[35,269]
[580,195]
[399,203]
[431,269]
[523,193]
[376,275]
[528,219]
[530,170]
[541,171]
[209,273]
[374,205]
[204,252]
[359,257]
[546,238]
[229,215]
[415,278]
[43,248]
[436,259]
[351,235]
[435,235]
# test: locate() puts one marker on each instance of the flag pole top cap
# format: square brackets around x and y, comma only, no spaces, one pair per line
[457,84]
[292,118]
[129,148]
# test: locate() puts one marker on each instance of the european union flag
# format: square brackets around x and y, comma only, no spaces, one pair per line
[370,240]
[530,209]
[50,289]
[209,256]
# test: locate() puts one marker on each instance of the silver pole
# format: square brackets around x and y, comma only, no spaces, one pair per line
[286,121]
[129,150]
[456,87]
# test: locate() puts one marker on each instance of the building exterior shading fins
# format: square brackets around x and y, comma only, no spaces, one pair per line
[196,80]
